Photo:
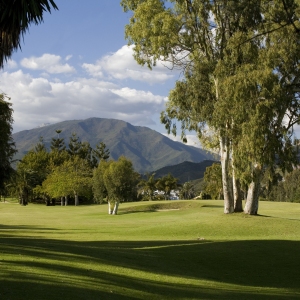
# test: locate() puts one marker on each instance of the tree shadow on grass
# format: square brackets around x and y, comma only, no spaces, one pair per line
[48,269]
[4,228]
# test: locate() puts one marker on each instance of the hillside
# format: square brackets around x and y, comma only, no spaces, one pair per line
[146,148]
[186,171]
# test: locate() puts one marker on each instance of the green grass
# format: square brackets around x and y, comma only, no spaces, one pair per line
[151,250]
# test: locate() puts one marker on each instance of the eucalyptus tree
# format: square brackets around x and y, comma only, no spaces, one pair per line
[192,36]
[7,145]
[15,19]
[217,44]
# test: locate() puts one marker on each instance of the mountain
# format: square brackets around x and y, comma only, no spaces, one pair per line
[147,149]
[186,171]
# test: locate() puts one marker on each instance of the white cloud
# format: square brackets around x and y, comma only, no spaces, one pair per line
[121,65]
[47,62]
[94,70]
[68,57]
[43,100]
[10,64]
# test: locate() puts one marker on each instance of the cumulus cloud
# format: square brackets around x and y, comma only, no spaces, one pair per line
[94,70]
[49,63]
[43,100]
[121,65]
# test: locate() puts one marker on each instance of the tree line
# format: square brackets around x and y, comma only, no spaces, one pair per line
[76,171]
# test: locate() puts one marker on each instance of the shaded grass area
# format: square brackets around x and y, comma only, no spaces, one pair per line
[82,253]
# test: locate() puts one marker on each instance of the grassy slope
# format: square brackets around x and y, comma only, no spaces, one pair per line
[189,250]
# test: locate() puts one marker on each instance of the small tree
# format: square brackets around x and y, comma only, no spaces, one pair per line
[187,191]
[73,177]
[120,181]
[167,184]
[148,186]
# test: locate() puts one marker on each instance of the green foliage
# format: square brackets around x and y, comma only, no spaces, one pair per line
[57,144]
[73,177]
[240,63]
[85,151]
[100,152]
[120,180]
[147,186]
[7,145]
[187,191]
[167,184]
[287,190]
[213,181]
[99,188]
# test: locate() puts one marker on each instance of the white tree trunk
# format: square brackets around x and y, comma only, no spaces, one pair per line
[66,200]
[115,211]
[109,208]
[76,200]
[251,206]
[236,187]
[228,199]
[62,201]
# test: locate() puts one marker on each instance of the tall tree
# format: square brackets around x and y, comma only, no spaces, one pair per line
[217,44]
[191,35]
[100,152]
[15,18]
[7,145]
[57,143]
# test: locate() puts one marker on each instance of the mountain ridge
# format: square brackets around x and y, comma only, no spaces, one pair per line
[146,148]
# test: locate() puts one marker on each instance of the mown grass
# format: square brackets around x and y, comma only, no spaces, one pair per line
[155,250]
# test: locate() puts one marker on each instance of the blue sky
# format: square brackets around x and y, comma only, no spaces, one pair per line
[77,65]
